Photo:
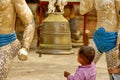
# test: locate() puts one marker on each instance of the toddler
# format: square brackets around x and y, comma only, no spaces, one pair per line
[87,70]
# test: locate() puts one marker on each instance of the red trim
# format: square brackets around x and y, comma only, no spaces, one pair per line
[41,10]
[71,3]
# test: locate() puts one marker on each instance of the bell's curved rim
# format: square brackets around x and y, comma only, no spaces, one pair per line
[55,52]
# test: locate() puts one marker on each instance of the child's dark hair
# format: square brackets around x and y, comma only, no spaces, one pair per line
[88,52]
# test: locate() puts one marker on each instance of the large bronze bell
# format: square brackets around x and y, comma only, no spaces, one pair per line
[55,36]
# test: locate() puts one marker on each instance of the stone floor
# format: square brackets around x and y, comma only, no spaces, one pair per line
[50,67]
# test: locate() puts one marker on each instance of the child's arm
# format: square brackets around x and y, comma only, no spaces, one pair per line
[77,76]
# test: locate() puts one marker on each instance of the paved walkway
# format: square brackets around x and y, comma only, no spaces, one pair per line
[50,67]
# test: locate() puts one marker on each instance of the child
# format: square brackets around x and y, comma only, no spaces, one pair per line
[88,70]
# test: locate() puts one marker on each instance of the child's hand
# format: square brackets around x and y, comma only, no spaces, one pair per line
[114,70]
[66,74]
